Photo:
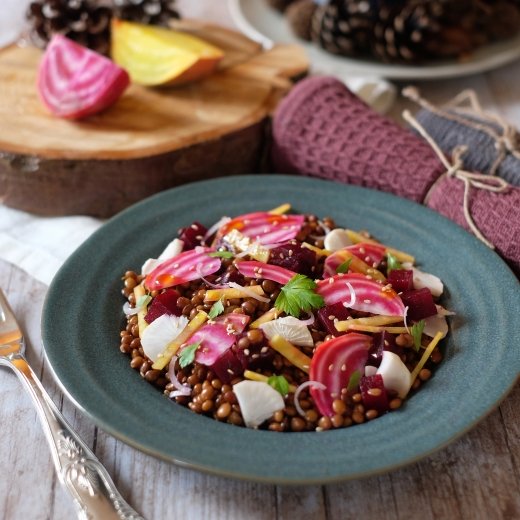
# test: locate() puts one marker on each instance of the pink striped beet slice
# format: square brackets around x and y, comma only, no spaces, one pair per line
[254,269]
[75,82]
[265,227]
[360,293]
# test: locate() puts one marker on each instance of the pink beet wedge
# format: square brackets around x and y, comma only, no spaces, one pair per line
[75,82]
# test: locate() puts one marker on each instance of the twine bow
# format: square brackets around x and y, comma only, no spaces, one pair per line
[455,170]
[506,138]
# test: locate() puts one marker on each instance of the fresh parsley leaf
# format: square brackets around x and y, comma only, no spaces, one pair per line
[187,355]
[279,383]
[392,263]
[298,295]
[417,330]
[353,382]
[216,310]
[221,254]
[344,267]
[143,301]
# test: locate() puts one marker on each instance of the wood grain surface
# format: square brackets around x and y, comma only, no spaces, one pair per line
[475,478]
[150,140]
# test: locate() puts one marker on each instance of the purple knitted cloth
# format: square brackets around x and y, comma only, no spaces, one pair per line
[321,129]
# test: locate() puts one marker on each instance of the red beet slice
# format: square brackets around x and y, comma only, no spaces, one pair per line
[420,304]
[76,82]
[339,311]
[227,366]
[383,341]
[373,393]
[295,258]
[163,303]
[192,235]
[401,280]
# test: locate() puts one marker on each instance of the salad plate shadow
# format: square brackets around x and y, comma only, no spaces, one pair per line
[83,314]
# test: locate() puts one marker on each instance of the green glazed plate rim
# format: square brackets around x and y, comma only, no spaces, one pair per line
[83,315]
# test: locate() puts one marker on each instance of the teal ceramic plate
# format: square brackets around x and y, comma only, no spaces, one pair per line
[83,315]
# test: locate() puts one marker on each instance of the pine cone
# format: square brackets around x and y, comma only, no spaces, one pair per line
[299,15]
[150,12]
[79,20]
[426,30]
[498,19]
[345,26]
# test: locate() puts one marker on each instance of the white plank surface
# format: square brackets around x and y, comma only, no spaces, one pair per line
[477,477]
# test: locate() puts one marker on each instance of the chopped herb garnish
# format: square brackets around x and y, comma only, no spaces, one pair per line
[298,296]
[353,382]
[221,254]
[143,301]
[417,330]
[279,383]
[216,310]
[187,355]
[344,267]
[392,263]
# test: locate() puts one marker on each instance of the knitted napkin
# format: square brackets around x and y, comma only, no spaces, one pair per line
[321,129]
[493,143]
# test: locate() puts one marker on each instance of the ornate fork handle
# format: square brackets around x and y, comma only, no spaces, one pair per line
[79,471]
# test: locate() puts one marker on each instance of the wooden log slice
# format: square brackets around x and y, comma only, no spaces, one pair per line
[150,140]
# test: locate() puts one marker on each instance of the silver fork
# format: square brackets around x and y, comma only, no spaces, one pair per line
[79,471]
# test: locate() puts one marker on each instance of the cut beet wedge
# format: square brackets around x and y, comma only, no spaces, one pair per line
[185,267]
[334,363]
[264,227]
[360,293]
[160,56]
[218,336]
[253,269]
[371,254]
[75,82]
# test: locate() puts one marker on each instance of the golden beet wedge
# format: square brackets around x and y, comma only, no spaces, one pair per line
[157,56]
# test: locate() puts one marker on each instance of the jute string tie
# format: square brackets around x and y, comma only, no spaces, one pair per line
[454,169]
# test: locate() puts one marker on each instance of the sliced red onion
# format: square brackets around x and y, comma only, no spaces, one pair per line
[324,227]
[130,311]
[352,301]
[215,227]
[207,282]
[251,294]
[308,322]
[182,389]
[405,319]
[303,386]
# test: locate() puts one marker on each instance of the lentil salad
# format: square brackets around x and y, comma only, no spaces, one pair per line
[283,322]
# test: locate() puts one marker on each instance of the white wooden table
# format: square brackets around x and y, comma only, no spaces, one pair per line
[476,477]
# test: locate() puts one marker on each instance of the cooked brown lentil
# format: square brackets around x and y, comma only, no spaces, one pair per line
[213,398]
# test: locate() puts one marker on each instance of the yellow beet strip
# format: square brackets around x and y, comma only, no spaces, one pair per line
[317,250]
[400,255]
[375,321]
[280,210]
[369,328]
[290,352]
[255,376]
[214,295]
[427,353]
[186,333]
[139,292]
[270,315]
